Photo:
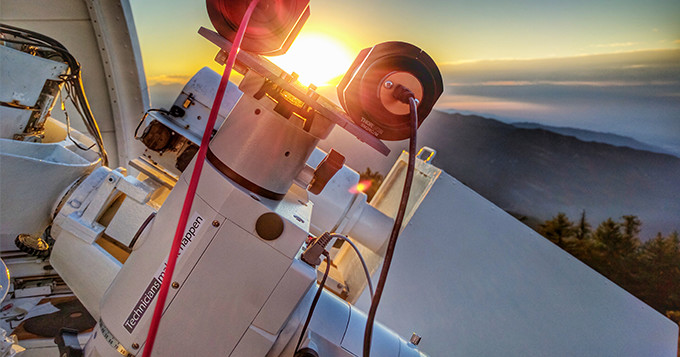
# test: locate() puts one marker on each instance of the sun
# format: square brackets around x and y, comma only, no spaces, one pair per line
[319,59]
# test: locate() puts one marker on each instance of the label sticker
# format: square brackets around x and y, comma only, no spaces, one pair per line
[193,227]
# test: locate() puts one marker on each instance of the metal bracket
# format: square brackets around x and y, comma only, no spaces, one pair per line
[322,105]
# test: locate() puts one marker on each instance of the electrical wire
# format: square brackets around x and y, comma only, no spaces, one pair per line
[193,183]
[144,117]
[68,134]
[68,126]
[370,319]
[315,300]
[73,81]
[361,258]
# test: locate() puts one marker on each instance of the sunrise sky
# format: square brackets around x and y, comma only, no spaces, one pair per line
[610,66]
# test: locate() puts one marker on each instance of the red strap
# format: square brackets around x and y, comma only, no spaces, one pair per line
[193,183]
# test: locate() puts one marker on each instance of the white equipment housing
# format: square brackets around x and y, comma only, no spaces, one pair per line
[233,275]
[43,162]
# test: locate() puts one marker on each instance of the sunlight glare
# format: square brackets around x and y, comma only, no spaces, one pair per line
[362,186]
[318,59]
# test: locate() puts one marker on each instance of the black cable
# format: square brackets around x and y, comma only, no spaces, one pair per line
[46,39]
[73,80]
[68,126]
[82,99]
[68,134]
[139,125]
[315,300]
[396,228]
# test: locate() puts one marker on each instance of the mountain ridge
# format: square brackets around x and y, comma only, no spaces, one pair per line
[596,136]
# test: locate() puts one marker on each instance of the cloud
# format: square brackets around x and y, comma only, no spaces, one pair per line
[569,83]
[637,68]
[481,104]
[614,45]
[165,79]
[629,93]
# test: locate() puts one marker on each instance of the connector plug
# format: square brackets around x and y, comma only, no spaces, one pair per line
[402,93]
[312,255]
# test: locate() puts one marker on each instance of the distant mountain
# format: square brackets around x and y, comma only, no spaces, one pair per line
[595,136]
[538,173]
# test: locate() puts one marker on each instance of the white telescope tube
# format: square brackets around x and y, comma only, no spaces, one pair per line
[339,208]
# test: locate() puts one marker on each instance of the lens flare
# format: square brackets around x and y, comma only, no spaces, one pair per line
[362,186]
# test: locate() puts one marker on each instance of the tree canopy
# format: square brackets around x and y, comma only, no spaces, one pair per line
[649,270]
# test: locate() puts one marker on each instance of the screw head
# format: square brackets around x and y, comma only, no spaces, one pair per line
[135,345]
[175,285]
[216,224]
[388,84]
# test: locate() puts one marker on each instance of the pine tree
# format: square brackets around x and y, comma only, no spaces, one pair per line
[557,229]
[660,262]
[609,234]
[650,271]
[583,227]
[631,230]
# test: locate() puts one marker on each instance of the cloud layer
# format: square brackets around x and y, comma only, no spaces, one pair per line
[630,93]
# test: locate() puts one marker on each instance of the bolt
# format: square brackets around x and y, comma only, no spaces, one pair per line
[415,339]
[135,345]
[175,285]
[388,84]
[216,223]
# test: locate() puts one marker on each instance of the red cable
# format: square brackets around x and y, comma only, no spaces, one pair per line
[193,183]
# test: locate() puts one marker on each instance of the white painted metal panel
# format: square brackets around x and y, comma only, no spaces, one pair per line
[473,281]
[102,37]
